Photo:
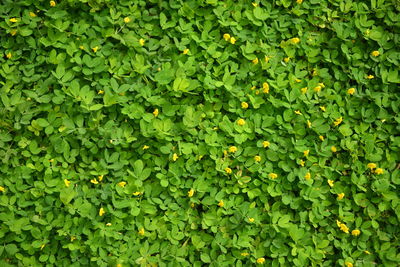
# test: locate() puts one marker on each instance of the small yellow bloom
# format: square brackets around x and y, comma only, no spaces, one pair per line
[94,181]
[251,220]
[379,171]
[175,157]
[191,192]
[122,184]
[145,147]
[371,165]
[260,260]
[315,72]
[317,88]
[257,92]
[141,231]
[9,55]
[2,189]
[298,112]
[13,32]
[265,88]
[309,123]
[286,59]
[42,246]
[185,51]
[338,223]
[367,252]
[244,105]
[13,20]
[340,196]
[233,40]
[322,108]
[333,149]
[136,193]
[108,224]
[52,3]
[356,232]
[221,203]
[307,176]
[306,152]
[228,170]
[232,149]
[321,138]
[370,76]
[351,91]
[273,175]
[127,20]
[95,49]
[322,85]
[225,153]
[331,183]
[244,254]
[255,4]
[81,47]
[255,61]
[266,144]
[304,90]
[338,121]
[227,36]
[101,212]
[252,88]
[297,80]
[155,112]
[299,1]
[100,92]
[348,264]
[31,14]
[241,122]
[141,42]
[295,40]
[375,53]
[302,162]
[257,158]
[67,183]
[267,58]
[344,228]
[100,177]
[72,238]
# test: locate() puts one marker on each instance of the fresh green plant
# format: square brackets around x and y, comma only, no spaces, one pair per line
[199,133]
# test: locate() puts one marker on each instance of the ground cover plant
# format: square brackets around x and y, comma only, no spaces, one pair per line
[199,133]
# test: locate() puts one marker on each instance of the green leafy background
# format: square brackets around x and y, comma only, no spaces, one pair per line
[69,112]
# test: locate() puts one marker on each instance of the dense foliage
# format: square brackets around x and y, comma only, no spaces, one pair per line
[199,133]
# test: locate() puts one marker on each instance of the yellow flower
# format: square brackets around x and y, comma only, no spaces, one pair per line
[367,252]
[266,144]
[175,157]
[340,196]
[42,246]
[9,55]
[322,85]
[338,223]
[94,181]
[100,177]
[191,192]
[370,76]
[141,42]
[136,193]
[108,224]
[344,228]
[321,138]
[100,92]
[13,20]
[322,108]
[379,171]
[52,3]
[122,184]
[185,51]
[241,122]
[351,91]
[251,220]
[333,149]
[67,183]
[299,1]
[265,88]
[2,189]
[155,112]
[95,49]
[127,19]
[297,80]
[338,121]
[233,40]
[302,162]
[257,158]
[295,40]
[356,232]
[141,231]
[304,90]
[32,14]
[286,59]
[244,254]
[244,105]
[227,36]
[260,260]
[228,170]
[252,88]
[307,176]
[72,238]
[309,123]
[331,183]
[371,165]
[232,149]
[13,32]
[82,47]
[255,4]
[221,203]
[145,147]
[298,112]
[315,72]
[273,175]
[375,53]
[257,92]
[266,58]
[255,61]
[317,88]
[225,153]
[101,212]
[306,152]
[348,264]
